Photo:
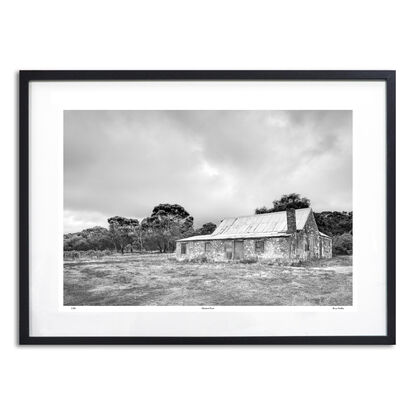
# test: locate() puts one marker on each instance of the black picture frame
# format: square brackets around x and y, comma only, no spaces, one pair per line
[388,76]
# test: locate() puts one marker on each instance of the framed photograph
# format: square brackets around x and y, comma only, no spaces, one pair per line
[207,207]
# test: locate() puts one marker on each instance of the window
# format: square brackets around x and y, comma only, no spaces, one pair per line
[208,246]
[183,248]
[259,247]
[306,245]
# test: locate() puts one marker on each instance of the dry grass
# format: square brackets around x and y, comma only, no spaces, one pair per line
[157,279]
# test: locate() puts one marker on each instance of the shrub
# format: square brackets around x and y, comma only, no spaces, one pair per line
[172,259]
[196,260]
[343,244]
[71,255]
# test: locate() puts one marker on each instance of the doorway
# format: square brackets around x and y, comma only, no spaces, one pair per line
[239,249]
[228,250]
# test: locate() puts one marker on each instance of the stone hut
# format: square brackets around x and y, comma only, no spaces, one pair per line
[289,236]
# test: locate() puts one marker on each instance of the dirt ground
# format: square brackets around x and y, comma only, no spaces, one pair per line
[158,279]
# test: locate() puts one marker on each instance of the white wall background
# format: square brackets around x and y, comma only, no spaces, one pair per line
[209,35]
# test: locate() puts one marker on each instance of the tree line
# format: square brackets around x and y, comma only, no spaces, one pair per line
[170,222]
[157,232]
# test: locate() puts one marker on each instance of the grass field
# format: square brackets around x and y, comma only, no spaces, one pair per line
[158,279]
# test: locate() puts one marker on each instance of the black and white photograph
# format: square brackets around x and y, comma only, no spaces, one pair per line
[208,208]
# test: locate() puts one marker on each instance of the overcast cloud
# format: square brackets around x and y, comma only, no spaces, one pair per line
[215,164]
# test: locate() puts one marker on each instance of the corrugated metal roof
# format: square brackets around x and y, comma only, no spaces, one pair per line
[255,226]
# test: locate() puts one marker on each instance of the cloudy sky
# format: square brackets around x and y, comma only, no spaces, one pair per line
[215,164]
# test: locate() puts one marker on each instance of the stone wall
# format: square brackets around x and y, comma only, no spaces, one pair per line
[215,251]
[327,247]
[274,248]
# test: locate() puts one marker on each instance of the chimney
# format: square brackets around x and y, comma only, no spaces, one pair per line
[291,222]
